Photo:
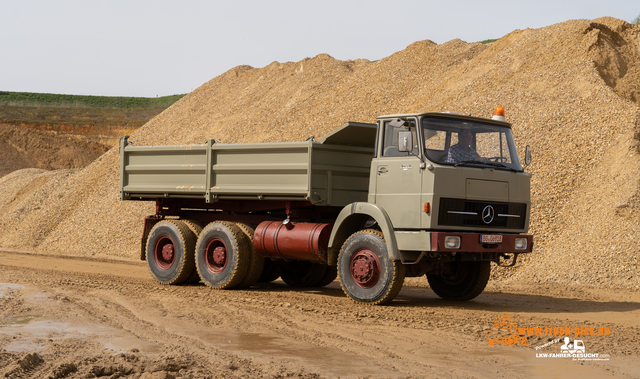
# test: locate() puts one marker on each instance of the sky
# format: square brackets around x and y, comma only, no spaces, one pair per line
[156,48]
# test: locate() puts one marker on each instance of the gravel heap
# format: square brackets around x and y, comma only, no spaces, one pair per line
[571,91]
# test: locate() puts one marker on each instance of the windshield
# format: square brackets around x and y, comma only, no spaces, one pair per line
[458,142]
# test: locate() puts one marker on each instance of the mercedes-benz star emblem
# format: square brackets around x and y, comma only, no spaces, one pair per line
[488,214]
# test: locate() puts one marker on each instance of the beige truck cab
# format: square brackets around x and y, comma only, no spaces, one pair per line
[450,196]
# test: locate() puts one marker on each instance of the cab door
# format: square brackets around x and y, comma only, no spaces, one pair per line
[399,179]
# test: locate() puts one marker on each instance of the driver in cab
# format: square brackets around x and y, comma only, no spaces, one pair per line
[462,151]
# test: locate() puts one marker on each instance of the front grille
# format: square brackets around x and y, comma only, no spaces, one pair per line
[469,213]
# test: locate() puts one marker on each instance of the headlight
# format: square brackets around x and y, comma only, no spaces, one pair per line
[521,243]
[452,242]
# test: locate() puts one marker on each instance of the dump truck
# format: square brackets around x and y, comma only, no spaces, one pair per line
[436,194]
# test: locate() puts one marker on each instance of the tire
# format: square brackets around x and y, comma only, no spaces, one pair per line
[329,276]
[301,273]
[255,261]
[270,272]
[169,251]
[196,229]
[467,281]
[222,254]
[367,274]
[194,226]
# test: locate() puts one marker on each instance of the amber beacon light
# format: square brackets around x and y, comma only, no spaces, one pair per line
[498,114]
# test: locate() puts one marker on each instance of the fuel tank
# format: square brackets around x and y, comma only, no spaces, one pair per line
[289,240]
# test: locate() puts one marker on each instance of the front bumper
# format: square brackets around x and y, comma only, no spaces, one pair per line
[470,243]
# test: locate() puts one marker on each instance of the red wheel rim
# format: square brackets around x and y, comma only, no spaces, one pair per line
[365,268]
[216,256]
[164,252]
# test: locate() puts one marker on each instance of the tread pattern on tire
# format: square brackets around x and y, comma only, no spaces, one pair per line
[255,261]
[194,226]
[196,229]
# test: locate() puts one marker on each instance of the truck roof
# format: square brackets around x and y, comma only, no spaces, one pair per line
[448,115]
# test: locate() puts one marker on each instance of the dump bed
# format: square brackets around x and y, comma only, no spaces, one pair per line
[333,171]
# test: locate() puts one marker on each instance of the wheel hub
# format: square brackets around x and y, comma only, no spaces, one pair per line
[168,252]
[164,252]
[219,256]
[216,257]
[365,268]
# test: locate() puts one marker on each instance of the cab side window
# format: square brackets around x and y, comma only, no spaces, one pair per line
[390,142]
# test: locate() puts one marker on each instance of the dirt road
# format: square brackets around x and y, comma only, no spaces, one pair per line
[81,318]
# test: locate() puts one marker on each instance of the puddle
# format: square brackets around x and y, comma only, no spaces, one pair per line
[6,288]
[328,360]
[42,331]
[18,320]
[123,344]
[35,334]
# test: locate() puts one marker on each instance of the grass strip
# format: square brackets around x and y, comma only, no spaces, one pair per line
[21,99]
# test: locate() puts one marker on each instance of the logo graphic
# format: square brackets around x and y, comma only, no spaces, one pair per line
[575,350]
[572,348]
[505,332]
[488,214]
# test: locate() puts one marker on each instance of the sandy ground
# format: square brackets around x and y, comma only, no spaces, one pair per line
[81,318]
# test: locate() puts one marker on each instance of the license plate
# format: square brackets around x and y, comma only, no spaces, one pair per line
[491,238]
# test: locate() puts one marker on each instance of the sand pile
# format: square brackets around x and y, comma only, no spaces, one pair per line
[570,90]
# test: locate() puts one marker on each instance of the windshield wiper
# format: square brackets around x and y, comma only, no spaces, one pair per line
[493,164]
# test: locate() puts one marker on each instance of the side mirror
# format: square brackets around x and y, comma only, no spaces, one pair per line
[405,142]
[527,156]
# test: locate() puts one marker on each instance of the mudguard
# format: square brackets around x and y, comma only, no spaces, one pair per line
[351,219]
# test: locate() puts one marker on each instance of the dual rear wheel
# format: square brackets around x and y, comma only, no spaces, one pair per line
[221,254]
[169,252]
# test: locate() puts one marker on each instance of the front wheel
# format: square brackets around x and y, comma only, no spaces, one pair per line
[461,281]
[367,274]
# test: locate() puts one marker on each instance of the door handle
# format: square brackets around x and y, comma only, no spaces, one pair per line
[382,170]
